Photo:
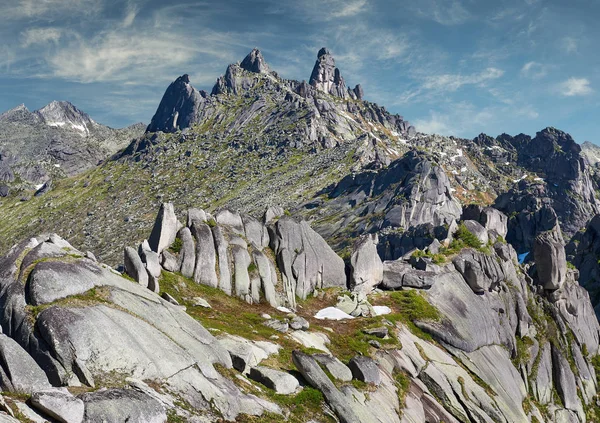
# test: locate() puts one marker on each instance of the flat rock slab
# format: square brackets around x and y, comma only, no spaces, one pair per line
[281,382]
[59,404]
[334,366]
[316,340]
[122,405]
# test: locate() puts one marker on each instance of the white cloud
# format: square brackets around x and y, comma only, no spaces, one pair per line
[575,87]
[534,70]
[452,82]
[35,36]
[445,12]
[569,45]
[349,8]
[130,55]
[130,17]
[48,9]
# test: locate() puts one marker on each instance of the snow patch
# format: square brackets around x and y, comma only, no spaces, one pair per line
[458,154]
[520,179]
[284,309]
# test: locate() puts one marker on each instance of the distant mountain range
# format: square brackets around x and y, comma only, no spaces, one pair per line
[57,140]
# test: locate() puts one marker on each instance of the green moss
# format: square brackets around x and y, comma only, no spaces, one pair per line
[412,307]
[176,246]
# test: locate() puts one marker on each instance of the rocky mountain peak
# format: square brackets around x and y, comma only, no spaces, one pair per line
[255,62]
[326,77]
[64,113]
[178,107]
[18,113]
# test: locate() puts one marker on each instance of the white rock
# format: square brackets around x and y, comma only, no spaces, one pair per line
[332,313]
[382,310]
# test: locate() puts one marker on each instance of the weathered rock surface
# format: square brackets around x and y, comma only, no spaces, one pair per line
[367,267]
[60,405]
[281,382]
[19,372]
[122,405]
[165,228]
[550,259]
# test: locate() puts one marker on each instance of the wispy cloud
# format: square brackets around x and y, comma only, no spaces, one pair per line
[575,87]
[35,36]
[48,9]
[349,8]
[569,44]
[445,12]
[534,70]
[452,82]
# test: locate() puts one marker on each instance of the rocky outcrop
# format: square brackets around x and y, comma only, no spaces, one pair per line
[242,256]
[326,77]
[254,62]
[178,108]
[410,192]
[84,304]
[367,267]
[550,259]
[567,187]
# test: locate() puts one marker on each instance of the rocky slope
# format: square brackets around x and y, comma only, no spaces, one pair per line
[57,140]
[460,333]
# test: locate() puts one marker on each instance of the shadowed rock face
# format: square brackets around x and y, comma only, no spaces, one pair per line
[254,62]
[178,108]
[326,77]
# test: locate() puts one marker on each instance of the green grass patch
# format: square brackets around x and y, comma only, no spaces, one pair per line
[412,306]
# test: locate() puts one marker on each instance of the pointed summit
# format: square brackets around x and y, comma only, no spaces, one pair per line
[326,77]
[255,62]
[178,107]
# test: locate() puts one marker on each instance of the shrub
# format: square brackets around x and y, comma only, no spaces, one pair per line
[176,246]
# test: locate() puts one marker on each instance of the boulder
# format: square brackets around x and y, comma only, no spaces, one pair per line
[232,220]
[316,377]
[134,267]
[299,323]
[365,369]
[334,366]
[481,271]
[241,262]
[196,216]
[550,259]
[379,332]
[59,404]
[367,267]
[245,353]
[169,262]
[281,382]
[491,218]
[478,230]
[304,258]
[19,373]
[187,254]
[398,273]
[122,405]
[222,246]
[165,228]
[268,277]
[205,269]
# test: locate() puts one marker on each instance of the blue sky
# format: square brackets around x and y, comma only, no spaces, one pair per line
[455,67]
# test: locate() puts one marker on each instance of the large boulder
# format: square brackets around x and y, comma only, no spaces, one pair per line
[305,260]
[187,254]
[59,404]
[550,259]
[205,270]
[165,228]
[489,217]
[367,267]
[19,373]
[134,267]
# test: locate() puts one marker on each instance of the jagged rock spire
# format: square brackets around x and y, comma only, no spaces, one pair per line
[255,62]
[178,107]
[326,77]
